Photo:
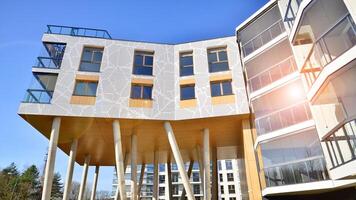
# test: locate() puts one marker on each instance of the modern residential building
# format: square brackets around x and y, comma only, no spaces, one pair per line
[268,113]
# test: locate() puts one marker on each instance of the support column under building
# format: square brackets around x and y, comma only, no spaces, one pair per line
[190,168]
[201,167]
[84,178]
[179,160]
[134,167]
[119,158]
[51,159]
[155,176]
[70,169]
[169,192]
[142,174]
[95,183]
[214,181]
[206,159]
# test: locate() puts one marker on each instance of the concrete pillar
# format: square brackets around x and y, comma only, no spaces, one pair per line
[51,159]
[206,158]
[155,176]
[179,160]
[169,194]
[126,158]
[201,167]
[119,158]
[214,181]
[84,178]
[133,167]
[70,168]
[142,174]
[95,183]
[190,168]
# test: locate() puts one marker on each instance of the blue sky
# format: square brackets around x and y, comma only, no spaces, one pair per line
[22,24]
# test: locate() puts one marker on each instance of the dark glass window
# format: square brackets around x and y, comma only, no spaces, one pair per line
[186,64]
[228,164]
[231,189]
[230,177]
[187,92]
[221,88]
[85,88]
[195,176]
[221,189]
[162,178]
[143,63]
[91,59]
[196,189]
[141,91]
[221,178]
[217,59]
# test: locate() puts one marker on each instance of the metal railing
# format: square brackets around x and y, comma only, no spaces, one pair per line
[38,96]
[264,37]
[272,74]
[283,118]
[302,171]
[291,12]
[341,143]
[333,43]
[78,31]
[48,62]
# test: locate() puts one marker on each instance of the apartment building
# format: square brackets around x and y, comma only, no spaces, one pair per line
[277,100]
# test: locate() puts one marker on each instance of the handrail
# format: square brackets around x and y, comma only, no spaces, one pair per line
[37,99]
[271,67]
[294,162]
[282,109]
[337,127]
[105,33]
[52,61]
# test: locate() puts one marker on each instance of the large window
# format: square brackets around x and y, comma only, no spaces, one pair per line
[231,189]
[221,88]
[187,92]
[85,88]
[293,159]
[141,91]
[186,64]
[217,59]
[91,59]
[230,177]
[143,63]
[196,176]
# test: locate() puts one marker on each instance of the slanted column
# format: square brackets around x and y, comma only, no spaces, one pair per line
[214,181]
[169,194]
[70,168]
[51,159]
[201,168]
[95,183]
[133,167]
[155,176]
[119,158]
[206,159]
[84,178]
[179,160]
[126,158]
[190,168]
[142,174]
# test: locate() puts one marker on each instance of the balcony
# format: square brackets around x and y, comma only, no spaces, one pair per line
[333,43]
[291,12]
[341,143]
[263,38]
[272,74]
[41,88]
[78,31]
[38,96]
[48,63]
[283,118]
[294,172]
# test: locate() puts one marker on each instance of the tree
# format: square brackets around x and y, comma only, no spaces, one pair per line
[57,187]
[30,177]
[11,170]
[103,195]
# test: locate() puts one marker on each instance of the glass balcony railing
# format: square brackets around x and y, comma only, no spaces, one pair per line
[38,96]
[263,38]
[272,74]
[78,31]
[337,40]
[341,143]
[302,171]
[48,62]
[291,12]
[283,118]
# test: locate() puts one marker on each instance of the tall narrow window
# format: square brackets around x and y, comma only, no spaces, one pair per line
[186,64]
[221,88]
[221,189]
[139,91]
[231,189]
[187,92]
[85,88]
[143,63]
[91,59]
[217,59]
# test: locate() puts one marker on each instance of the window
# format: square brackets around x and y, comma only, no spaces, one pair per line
[222,189]
[221,88]
[175,189]
[143,63]
[231,189]
[161,191]
[230,177]
[162,167]
[187,92]
[195,176]
[174,166]
[221,178]
[162,178]
[217,59]
[141,91]
[219,165]
[91,59]
[232,198]
[85,88]
[174,177]
[196,189]
[228,164]
[186,64]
